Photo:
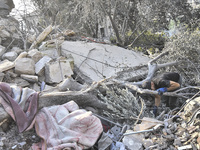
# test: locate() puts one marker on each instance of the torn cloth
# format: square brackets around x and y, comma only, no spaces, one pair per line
[66,127]
[20,104]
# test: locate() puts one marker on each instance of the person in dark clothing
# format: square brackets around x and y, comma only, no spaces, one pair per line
[166,82]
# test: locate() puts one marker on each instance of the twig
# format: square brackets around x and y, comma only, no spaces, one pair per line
[159,56]
[3,122]
[86,57]
[142,103]
[130,45]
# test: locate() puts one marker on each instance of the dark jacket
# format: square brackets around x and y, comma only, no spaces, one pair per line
[164,79]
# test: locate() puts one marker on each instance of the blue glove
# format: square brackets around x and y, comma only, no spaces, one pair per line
[161,90]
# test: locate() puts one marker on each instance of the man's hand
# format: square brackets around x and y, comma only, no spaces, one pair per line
[161,90]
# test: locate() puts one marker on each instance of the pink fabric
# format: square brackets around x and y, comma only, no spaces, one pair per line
[22,116]
[66,126]
[60,127]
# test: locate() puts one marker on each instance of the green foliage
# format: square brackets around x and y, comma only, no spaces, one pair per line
[185,48]
[150,41]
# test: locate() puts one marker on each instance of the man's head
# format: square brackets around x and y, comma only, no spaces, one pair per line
[148,85]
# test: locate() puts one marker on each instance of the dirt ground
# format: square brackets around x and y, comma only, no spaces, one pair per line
[11,139]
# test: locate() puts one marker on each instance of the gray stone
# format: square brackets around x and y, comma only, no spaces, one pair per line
[1,76]
[4,34]
[48,87]
[21,55]
[6,65]
[2,50]
[10,56]
[9,24]
[25,66]
[21,82]
[70,84]
[51,52]
[29,78]
[40,65]
[133,142]
[17,50]
[35,55]
[5,7]
[36,87]
[55,72]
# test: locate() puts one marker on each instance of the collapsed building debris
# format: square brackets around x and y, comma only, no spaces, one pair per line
[60,76]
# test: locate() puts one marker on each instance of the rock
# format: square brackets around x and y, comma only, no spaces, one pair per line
[9,24]
[25,66]
[177,142]
[71,60]
[6,65]
[29,78]
[48,87]
[36,87]
[35,55]
[70,84]
[11,73]
[5,34]
[40,65]
[9,33]
[21,55]
[10,56]
[2,50]
[57,71]
[1,76]
[21,82]
[51,52]
[17,50]
[5,7]
[133,142]
[147,143]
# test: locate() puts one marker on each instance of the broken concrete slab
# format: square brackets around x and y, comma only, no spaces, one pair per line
[57,71]
[25,66]
[40,65]
[99,61]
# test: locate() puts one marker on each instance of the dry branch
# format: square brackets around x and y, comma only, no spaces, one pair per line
[42,36]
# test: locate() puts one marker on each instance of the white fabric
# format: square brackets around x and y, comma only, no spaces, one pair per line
[67,126]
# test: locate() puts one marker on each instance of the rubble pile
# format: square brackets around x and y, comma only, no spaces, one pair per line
[31,68]
[43,68]
[175,130]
